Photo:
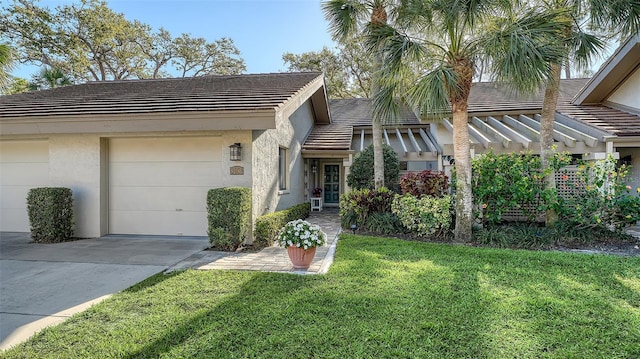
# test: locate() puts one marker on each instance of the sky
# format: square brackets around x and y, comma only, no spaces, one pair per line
[262,30]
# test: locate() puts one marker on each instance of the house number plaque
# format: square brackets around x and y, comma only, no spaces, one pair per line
[236,171]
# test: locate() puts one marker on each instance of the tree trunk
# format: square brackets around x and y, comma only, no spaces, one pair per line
[462,155]
[378,154]
[546,134]
[459,97]
[378,18]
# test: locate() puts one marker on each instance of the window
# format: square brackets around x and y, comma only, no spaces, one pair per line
[282,169]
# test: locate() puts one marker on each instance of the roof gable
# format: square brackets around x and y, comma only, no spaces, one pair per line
[611,74]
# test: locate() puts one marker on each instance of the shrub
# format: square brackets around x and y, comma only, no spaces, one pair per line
[358,205]
[606,202]
[268,226]
[425,183]
[384,222]
[505,182]
[426,216]
[516,235]
[229,216]
[50,212]
[361,175]
[535,236]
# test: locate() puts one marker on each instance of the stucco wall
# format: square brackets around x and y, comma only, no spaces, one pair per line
[290,133]
[24,164]
[634,174]
[627,94]
[75,162]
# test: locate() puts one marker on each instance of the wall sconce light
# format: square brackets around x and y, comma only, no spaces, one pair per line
[235,152]
[314,166]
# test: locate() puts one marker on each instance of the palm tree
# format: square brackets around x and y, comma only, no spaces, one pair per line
[6,64]
[50,78]
[605,18]
[455,35]
[349,19]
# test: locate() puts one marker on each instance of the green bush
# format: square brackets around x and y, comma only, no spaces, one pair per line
[536,236]
[386,223]
[361,175]
[267,226]
[229,216]
[358,205]
[425,183]
[426,216]
[606,202]
[50,212]
[505,182]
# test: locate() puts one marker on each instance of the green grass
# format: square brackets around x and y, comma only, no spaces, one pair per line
[383,298]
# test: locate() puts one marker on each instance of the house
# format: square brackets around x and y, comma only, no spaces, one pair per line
[595,118]
[140,155]
[330,148]
[610,101]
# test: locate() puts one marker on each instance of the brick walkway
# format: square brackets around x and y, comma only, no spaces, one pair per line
[272,259]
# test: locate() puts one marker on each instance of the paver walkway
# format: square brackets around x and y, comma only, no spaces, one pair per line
[275,258]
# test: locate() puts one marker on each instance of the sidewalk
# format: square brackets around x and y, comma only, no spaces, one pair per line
[272,259]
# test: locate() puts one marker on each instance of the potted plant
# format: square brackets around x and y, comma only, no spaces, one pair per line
[301,238]
[317,192]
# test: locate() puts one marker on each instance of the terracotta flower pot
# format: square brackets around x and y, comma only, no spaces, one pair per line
[300,257]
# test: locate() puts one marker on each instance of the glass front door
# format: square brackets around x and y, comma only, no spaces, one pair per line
[331,184]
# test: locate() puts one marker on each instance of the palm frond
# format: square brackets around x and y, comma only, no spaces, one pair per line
[430,94]
[521,48]
[385,107]
[416,14]
[584,47]
[344,17]
[397,51]
[620,17]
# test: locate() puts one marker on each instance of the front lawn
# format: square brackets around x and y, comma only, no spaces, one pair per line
[383,298]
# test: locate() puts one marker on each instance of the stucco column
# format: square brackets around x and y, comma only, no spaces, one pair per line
[346,164]
[75,162]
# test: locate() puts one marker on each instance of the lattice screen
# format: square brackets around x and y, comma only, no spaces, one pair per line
[568,185]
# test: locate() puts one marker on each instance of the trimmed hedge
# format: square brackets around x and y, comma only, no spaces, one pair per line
[50,212]
[229,216]
[267,226]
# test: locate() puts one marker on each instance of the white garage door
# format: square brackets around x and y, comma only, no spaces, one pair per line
[23,165]
[159,185]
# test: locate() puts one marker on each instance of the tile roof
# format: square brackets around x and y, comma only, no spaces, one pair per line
[605,118]
[204,93]
[489,98]
[499,98]
[345,115]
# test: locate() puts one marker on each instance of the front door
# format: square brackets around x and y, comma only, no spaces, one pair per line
[331,184]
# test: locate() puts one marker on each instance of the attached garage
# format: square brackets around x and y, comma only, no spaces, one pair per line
[158,186]
[140,156]
[23,165]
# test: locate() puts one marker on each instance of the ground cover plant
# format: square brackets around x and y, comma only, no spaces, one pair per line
[383,298]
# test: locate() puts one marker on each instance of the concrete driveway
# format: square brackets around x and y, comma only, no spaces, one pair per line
[43,284]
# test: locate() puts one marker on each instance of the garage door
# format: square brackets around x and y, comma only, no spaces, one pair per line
[159,186]
[23,165]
